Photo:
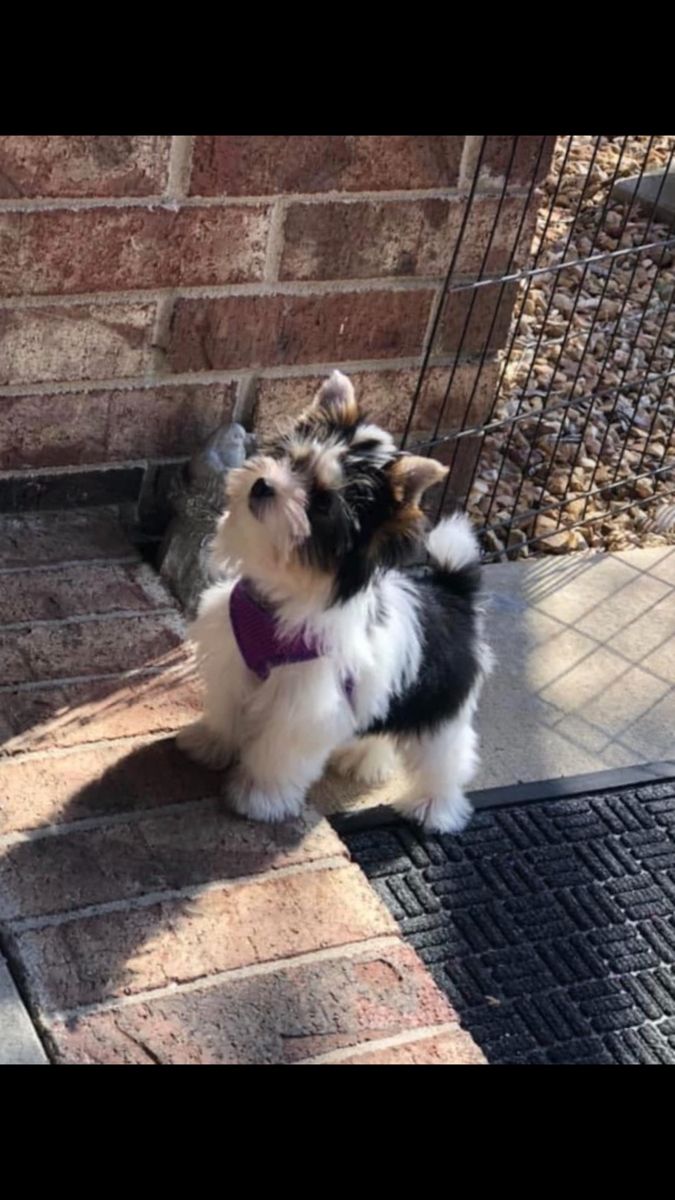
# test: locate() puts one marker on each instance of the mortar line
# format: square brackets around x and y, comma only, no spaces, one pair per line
[180,166]
[166,201]
[206,377]
[20,837]
[121,614]
[34,685]
[222,291]
[348,950]
[408,1037]
[69,563]
[128,740]
[193,892]
[275,242]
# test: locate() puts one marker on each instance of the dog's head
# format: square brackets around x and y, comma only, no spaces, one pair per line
[327,504]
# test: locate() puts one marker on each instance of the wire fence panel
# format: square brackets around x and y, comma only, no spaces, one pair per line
[566,435]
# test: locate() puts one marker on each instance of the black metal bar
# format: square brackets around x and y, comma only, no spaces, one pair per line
[615,779]
[518,310]
[491,556]
[589,334]
[441,299]
[548,309]
[555,268]
[570,320]
[617,327]
[488,340]
[521,418]
[467,320]
[530,513]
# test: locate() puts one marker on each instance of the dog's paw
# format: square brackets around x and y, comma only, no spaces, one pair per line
[203,746]
[369,761]
[267,803]
[443,815]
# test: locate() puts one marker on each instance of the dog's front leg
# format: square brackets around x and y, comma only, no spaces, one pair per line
[213,740]
[297,724]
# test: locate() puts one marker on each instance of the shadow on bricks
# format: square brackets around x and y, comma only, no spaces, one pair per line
[92,905]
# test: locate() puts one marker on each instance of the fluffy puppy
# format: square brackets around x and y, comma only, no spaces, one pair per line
[320,643]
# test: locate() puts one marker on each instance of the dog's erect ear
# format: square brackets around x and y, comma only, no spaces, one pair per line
[335,400]
[411,475]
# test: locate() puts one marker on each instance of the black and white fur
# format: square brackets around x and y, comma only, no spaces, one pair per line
[323,539]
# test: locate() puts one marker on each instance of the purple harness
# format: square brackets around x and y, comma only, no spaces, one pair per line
[260,643]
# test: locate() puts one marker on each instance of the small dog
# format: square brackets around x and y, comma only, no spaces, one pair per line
[321,645]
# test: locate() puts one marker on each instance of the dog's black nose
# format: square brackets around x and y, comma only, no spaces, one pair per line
[261,490]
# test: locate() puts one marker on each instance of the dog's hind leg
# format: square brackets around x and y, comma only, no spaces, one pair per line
[440,764]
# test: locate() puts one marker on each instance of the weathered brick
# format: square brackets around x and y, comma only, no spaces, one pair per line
[452,1048]
[83,341]
[37,539]
[109,249]
[497,158]
[106,165]
[152,853]
[361,240]
[475,319]
[277,1017]
[497,236]
[44,652]
[71,428]
[97,781]
[61,715]
[165,421]
[78,590]
[258,166]
[88,959]
[386,396]
[264,331]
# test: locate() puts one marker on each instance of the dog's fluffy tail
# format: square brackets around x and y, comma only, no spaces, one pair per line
[453,548]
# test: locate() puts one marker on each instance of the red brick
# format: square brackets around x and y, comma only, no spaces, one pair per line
[257,166]
[453,1048]
[361,240]
[152,853]
[107,165]
[497,237]
[88,959]
[76,428]
[497,154]
[277,1017]
[475,318]
[38,539]
[62,715]
[83,341]
[166,421]
[108,249]
[78,590]
[386,397]
[96,647]
[264,331]
[97,781]
[351,240]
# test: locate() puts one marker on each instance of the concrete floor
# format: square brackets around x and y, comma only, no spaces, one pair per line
[585,674]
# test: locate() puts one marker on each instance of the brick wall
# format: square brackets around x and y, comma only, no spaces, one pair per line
[151,287]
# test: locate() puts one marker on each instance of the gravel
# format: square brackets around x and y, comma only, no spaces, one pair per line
[587,370]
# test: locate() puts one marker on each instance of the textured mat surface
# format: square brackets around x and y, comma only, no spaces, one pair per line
[550,925]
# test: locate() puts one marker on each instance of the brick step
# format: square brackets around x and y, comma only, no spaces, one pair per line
[145,922]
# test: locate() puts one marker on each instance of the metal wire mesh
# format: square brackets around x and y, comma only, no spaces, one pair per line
[578,435]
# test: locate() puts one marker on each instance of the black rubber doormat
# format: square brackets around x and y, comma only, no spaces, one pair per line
[550,922]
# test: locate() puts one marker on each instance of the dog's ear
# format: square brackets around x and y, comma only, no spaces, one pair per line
[411,475]
[335,401]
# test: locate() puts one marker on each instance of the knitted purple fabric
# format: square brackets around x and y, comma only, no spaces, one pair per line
[260,643]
